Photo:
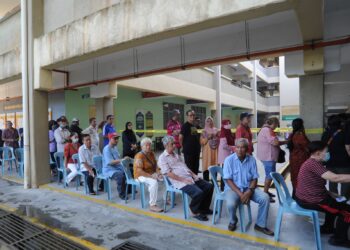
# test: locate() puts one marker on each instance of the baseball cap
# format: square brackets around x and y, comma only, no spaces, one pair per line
[113,135]
[244,115]
[75,119]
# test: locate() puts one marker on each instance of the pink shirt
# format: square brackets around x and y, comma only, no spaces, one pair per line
[171,127]
[224,150]
[266,151]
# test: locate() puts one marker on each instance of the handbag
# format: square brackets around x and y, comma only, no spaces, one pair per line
[281,156]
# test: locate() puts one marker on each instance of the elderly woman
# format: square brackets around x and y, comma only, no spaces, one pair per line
[146,171]
[209,141]
[268,150]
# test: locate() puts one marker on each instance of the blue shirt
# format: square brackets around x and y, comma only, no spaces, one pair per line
[110,154]
[241,173]
[108,128]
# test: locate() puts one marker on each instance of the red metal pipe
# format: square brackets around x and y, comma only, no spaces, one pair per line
[307,46]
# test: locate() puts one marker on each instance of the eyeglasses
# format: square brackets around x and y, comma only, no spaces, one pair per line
[191,115]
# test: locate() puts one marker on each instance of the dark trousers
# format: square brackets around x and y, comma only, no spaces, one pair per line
[201,193]
[119,176]
[345,187]
[192,162]
[333,209]
[90,181]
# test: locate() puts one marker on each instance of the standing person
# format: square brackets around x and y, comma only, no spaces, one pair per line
[146,171]
[339,163]
[71,148]
[10,136]
[92,131]
[268,150]
[189,141]
[243,130]
[112,166]
[197,122]
[20,131]
[174,129]
[129,141]
[74,128]
[311,193]
[100,135]
[52,144]
[107,129]
[297,145]
[86,154]
[61,134]
[227,141]
[209,142]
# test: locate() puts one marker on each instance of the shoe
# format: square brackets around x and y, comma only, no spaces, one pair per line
[272,200]
[339,242]
[101,189]
[326,230]
[92,193]
[232,227]
[264,230]
[207,212]
[156,209]
[81,183]
[271,194]
[201,217]
[122,196]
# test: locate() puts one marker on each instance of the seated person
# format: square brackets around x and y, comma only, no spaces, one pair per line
[241,177]
[184,179]
[70,149]
[311,193]
[146,171]
[86,154]
[112,166]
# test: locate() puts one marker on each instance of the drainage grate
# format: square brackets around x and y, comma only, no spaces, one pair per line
[131,245]
[18,233]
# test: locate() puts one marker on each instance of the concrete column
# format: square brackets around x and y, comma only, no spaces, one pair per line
[108,106]
[38,171]
[217,84]
[312,102]
[253,84]
[99,110]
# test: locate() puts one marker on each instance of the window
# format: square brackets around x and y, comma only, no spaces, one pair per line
[201,112]
[168,109]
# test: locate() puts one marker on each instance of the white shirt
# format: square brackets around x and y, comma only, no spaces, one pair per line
[61,135]
[86,155]
[93,135]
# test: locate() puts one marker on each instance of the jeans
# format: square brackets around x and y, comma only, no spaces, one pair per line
[119,176]
[345,187]
[192,162]
[270,166]
[259,197]
[200,192]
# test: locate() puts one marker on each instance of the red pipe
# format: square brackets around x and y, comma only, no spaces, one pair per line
[308,46]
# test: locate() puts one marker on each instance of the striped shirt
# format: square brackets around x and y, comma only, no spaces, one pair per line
[311,187]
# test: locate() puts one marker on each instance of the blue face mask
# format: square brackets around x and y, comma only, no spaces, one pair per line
[327,157]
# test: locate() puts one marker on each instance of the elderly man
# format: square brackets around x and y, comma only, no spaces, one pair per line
[62,134]
[86,154]
[184,179]
[112,166]
[146,171]
[241,177]
[10,136]
[92,131]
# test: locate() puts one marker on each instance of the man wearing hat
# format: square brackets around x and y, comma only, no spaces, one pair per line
[62,134]
[174,129]
[243,130]
[112,166]
[74,128]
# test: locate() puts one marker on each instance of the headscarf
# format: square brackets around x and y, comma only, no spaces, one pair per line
[129,133]
[226,133]
[208,129]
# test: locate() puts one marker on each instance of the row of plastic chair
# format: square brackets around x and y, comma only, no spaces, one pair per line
[11,156]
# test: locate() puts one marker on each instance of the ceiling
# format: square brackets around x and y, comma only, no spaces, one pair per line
[6,6]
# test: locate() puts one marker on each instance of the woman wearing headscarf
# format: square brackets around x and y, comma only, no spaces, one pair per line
[297,145]
[129,141]
[209,141]
[227,141]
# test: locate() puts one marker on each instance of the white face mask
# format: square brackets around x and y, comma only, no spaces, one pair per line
[75,140]
[228,126]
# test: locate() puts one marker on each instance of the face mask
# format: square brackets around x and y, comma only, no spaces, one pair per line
[62,126]
[327,157]
[227,126]
[75,140]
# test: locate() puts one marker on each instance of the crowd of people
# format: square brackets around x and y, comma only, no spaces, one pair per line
[311,164]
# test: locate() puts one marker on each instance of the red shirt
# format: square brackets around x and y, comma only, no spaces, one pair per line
[69,151]
[311,187]
[171,127]
[244,132]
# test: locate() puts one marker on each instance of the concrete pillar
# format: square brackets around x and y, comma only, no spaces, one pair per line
[217,84]
[37,171]
[99,110]
[108,106]
[312,102]
[253,84]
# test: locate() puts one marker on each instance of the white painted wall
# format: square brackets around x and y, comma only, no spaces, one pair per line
[10,33]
